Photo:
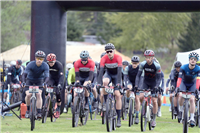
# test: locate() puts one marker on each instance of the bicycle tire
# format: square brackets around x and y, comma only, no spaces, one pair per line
[32,113]
[143,119]
[123,109]
[103,117]
[130,113]
[198,114]
[151,115]
[95,114]
[185,122]
[172,108]
[51,111]
[45,109]
[114,124]
[85,117]
[109,115]
[75,113]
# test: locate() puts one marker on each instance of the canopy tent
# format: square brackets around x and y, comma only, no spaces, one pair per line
[183,56]
[23,52]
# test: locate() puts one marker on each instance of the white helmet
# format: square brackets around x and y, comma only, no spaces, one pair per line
[69,65]
[13,63]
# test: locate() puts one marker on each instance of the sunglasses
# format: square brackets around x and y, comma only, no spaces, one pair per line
[109,51]
[41,59]
[193,58]
[85,59]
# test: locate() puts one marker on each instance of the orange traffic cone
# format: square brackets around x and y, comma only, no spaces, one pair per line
[164,100]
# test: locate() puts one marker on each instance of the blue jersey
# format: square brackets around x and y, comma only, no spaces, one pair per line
[189,76]
[34,72]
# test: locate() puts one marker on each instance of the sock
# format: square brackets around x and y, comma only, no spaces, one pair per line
[86,100]
[58,107]
[105,97]
[137,113]
[118,114]
[154,117]
[39,110]
[28,108]
[176,108]
[192,116]
[181,108]
[95,99]
[159,108]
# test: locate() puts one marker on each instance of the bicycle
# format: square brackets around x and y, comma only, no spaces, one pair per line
[111,114]
[33,111]
[186,95]
[131,111]
[79,110]
[16,96]
[91,102]
[147,111]
[49,104]
[124,110]
[197,113]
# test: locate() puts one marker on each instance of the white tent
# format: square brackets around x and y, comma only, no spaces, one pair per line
[183,56]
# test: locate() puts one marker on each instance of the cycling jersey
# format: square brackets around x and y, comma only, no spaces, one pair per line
[35,73]
[113,68]
[189,77]
[173,77]
[13,73]
[71,76]
[152,74]
[130,74]
[84,71]
[56,72]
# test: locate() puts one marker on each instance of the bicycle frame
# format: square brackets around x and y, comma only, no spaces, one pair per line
[147,98]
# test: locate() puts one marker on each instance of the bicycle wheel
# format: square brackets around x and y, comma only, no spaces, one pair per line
[32,113]
[123,108]
[131,117]
[45,109]
[172,108]
[143,119]
[109,114]
[51,114]
[114,124]
[84,117]
[185,121]
[95,114]
[75,113]
[198,113]
[151,115]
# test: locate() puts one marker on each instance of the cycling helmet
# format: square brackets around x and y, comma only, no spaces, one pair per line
[177,64]
[125,63]
[149,53]
[7,65]
[194,54]
[84,54]
[96,63]
[40,54]
[103,54]
[109,46]
[69,65]
[18,62]
[135,59]
[13,63]
[51,57]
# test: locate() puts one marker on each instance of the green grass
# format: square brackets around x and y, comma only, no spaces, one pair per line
[165,124]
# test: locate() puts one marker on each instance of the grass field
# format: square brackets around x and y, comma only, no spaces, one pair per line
[165,124]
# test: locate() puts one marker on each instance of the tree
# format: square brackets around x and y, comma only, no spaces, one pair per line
[15,22]
[75,28]
[142,31]
[190,39]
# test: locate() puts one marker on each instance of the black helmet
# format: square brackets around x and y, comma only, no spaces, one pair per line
[103,54]
[18,62]
[177,64]
[125,63]
[40,54]
[135,59]
[109,46]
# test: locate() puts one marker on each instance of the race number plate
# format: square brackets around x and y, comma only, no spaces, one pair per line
[109,89]
[78,90]
[33,89]
[49,89]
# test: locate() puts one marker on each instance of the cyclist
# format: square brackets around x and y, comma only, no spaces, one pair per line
[113,64]
[56,78]
[130,74]
[152,74]
[124,65]
[13,73]
[173,77]
[189,77]
[68,67]
[84,71]
[37,73]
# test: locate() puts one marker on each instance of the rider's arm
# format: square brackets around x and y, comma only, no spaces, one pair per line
[119,69]
[46,73]
[126,76]
[137,80]
[101,70]
[162,82]
[76,67]
[167,83]
[61,75]
[91,73]
[179,78]
[158,76]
